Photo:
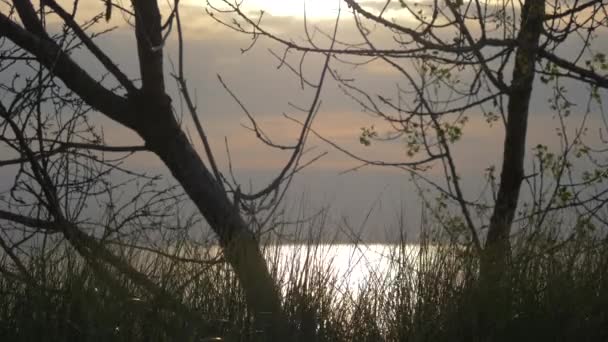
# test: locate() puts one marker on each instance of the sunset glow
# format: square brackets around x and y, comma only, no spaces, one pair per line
[314,9]
[297,8]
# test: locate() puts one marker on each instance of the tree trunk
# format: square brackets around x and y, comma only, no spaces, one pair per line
[149,113]
[155,123]
[497,250]
[163,136]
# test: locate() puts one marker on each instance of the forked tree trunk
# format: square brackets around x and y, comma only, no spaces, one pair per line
[155,123]
[497,250]
[148,112]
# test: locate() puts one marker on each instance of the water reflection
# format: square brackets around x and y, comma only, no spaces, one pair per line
[349,268]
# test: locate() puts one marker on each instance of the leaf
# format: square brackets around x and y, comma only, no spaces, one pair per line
[367,134]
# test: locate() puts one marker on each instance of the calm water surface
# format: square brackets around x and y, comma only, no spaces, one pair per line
[350,267]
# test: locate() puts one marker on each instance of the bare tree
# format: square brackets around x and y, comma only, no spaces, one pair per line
[64,163]
[460,59]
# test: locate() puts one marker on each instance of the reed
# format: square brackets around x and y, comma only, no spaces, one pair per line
[558,287]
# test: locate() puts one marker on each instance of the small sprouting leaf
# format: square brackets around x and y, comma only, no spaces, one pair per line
[367,134]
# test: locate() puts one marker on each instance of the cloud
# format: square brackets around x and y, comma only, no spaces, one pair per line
[267,91]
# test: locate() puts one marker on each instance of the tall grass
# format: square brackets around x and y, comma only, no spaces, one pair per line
[559,292]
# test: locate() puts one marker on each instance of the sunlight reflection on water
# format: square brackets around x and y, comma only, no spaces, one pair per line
[349,267]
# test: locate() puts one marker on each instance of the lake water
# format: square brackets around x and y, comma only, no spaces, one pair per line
[349,267]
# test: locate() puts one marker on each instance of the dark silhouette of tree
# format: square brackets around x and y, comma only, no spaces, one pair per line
[63,161]
[463,58]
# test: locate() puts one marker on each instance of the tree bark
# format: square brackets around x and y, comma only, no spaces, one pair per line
[149,113]
[161,132]
[497,250]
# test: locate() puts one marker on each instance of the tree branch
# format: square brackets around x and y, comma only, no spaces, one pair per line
[78,80]
[88,42]
[589,75]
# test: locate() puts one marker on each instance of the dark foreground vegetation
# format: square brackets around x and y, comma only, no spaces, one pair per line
[558,290]
[75,204]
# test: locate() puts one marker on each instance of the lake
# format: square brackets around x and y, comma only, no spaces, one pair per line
[348,267]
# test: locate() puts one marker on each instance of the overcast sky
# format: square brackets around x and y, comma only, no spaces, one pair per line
[212,50]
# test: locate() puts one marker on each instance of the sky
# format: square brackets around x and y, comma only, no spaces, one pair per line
[267,91]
